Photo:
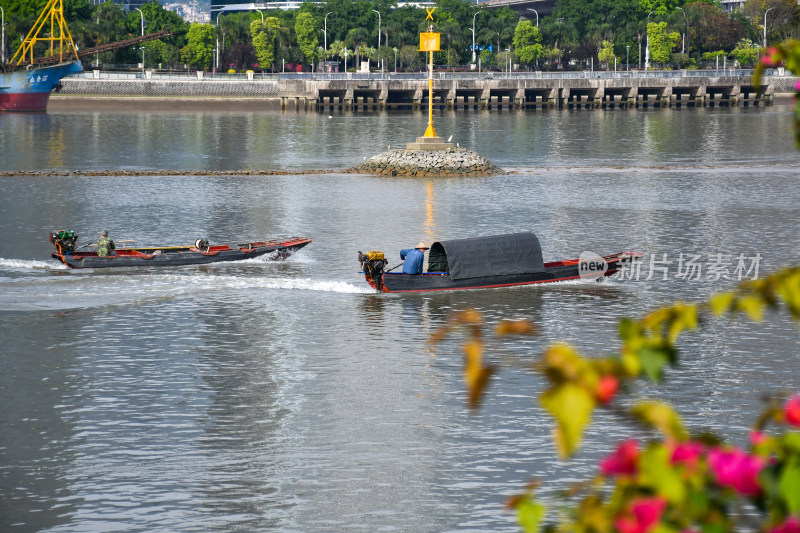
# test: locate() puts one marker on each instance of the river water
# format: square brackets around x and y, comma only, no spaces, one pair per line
[289,396]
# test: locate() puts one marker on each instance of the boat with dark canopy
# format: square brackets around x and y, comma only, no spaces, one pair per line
[200,253]
[485,262]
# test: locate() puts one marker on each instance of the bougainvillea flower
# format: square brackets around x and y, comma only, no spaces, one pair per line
[791,411]
[772,58]
[644,515]
[623,461]
[606,389]
[791,525]
[737,470]
[757,437]
[797,85]
[687,453]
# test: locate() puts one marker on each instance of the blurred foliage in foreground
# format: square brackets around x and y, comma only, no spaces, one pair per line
[681,482]
[786,54]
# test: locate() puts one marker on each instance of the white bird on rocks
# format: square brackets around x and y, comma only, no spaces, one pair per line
[450,138]
[329,116]
[458,145]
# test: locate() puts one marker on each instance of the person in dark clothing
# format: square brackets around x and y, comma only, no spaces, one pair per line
[413,258]
[105,246]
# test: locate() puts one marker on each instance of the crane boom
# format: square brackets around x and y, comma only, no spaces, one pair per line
[106,47]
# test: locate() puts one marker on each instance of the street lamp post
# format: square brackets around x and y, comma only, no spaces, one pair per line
[326,29]
[537,15]
[473,35]
[647,46]
[379,27]
[683,35]
[765,25]
[379,36]
[627,57]
[142,15]
[395,59]
[262,16]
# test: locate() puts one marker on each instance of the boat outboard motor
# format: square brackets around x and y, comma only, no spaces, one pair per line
[201,244]
[64,240]
[373,263]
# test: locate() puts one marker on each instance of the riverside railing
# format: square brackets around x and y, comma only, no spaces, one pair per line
[441,75]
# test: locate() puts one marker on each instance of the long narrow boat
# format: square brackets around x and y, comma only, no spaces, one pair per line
[201,253]
[486,262]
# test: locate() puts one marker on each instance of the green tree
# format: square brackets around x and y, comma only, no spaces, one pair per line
[500,28]
[527,42]
[409,56]
[606,53]
[357,40]
[307,38]
[264,36]
[746,53]
[711,29]
[662,42]
[199,47]
[579,26]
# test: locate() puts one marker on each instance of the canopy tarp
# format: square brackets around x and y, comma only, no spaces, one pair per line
[497,255]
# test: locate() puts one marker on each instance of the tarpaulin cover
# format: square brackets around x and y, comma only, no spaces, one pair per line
[498,255]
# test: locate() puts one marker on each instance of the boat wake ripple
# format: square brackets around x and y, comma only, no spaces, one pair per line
[29,264]
[78,292]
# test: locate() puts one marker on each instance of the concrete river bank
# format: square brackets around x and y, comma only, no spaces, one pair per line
[456,91]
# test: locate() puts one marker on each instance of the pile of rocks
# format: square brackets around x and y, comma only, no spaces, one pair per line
[426,163]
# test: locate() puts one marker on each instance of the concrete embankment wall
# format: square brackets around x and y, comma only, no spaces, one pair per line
[485,93]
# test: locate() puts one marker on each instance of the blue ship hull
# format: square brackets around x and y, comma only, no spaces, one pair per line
[29,90]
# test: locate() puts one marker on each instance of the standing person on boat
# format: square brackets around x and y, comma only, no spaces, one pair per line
[105,246]
[413,258]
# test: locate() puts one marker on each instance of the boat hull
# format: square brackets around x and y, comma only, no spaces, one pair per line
[29,90]
[441,281]
[182,255]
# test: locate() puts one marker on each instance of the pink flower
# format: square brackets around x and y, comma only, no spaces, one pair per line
[791,411]
[606,389]
[645,514]
[737,470]
[791,525]
[772,58]
[623,461]
[757,437]
[797,85]
[687,453]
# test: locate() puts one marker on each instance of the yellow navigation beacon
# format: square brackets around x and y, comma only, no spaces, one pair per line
[429,42]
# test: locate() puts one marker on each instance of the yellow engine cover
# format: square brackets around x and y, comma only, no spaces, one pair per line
[374,254]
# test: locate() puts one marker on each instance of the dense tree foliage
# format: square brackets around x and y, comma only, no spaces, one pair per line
[572,37]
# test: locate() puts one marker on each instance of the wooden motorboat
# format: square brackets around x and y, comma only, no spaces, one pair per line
[485,262]
[200,253]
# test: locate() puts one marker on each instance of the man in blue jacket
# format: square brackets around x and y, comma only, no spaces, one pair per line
[413,259]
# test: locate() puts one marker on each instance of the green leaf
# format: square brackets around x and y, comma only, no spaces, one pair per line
[663,417]
[721,303]
[657,472]
[753,306]
[530,514]
[628,328]
[571,405]
[653,360]
[789,485]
